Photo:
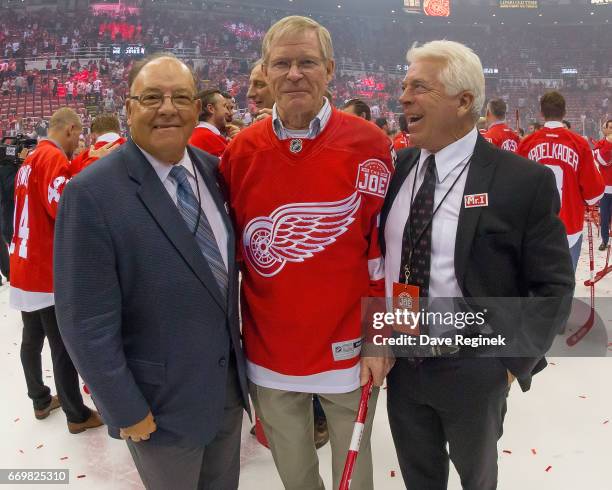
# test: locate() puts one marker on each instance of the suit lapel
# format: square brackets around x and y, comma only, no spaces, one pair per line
[478,180]
[159,203]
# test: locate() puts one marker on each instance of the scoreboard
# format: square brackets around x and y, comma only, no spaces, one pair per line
[518,4]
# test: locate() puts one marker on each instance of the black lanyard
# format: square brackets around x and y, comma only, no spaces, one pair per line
[412,244]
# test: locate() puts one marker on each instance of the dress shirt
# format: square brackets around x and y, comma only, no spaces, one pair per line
[450,161]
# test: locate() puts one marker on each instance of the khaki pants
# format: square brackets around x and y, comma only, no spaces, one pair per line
[288,422]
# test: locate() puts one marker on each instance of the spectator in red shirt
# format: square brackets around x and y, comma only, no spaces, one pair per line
[207,134]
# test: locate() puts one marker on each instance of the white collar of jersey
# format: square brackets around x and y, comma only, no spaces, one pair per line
[452,155]
[163,169]
[214,129]
[496,123]
[108,138]
[316,126]
[553,124]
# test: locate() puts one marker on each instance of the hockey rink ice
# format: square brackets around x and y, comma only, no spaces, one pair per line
[558,436]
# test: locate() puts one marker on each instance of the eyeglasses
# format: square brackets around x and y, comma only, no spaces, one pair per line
[154,100]
[306,65]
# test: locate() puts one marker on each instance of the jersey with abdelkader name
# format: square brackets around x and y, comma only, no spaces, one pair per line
[569,156]
[39,184]
[306,212]
[602,154]
[503,137]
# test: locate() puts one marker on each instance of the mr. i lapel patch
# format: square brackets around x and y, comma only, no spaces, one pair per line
[476,200]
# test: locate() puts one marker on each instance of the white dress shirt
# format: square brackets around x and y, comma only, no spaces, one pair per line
[209,208]
[450,161]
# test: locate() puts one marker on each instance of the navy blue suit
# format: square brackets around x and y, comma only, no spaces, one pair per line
[138,307]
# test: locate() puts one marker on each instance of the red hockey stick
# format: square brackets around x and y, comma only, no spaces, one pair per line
[603,272]
[349,465]
[582,331]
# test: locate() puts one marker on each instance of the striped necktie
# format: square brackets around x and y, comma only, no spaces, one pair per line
[188,206]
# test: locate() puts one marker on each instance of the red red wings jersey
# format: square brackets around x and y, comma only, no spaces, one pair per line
[602,154]
[569,156]
[83,159]
[203,138]
[38,186]
[503,137]
[306,213]
[401,140]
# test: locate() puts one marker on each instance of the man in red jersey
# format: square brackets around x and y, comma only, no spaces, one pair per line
[38,187]
[569,156]
[105,133]
[305,188]
[499,133]
[207,135]
[602,153]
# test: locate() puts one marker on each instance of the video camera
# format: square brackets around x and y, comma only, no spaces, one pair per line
[11,148]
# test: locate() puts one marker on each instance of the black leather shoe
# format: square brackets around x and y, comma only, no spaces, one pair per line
[602,247]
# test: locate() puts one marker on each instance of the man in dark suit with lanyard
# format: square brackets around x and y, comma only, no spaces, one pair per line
[146,290]
[462,220]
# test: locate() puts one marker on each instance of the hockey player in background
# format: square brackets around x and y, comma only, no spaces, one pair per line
[602,153]
[105,135]
[570,158]
[38,187]
[499,133]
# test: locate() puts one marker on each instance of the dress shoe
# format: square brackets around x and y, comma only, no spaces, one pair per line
[602,247]
[321,434]
[94,420]
[44,413]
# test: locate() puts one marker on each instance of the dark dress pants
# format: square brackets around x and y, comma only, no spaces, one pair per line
[461,402]
[213,467]
[36,326]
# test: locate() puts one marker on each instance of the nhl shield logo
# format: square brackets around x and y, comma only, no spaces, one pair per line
[295,146]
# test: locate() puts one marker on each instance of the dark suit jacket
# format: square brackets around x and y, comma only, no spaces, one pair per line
[516,247]
[138,307]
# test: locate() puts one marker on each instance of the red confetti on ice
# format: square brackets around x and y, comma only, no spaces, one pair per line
[39,446]
[533,451]
[392,474]
[80,476]
[21,451]
[64,458]
[582,396]
[16,420]
[548,468]
[552,363]
[606,422]
[507,451]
